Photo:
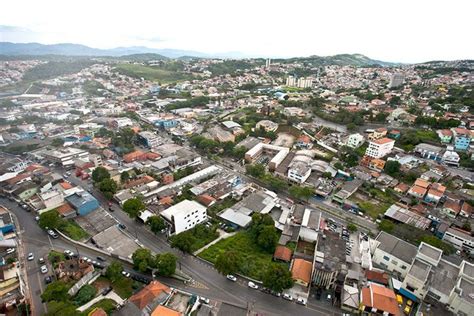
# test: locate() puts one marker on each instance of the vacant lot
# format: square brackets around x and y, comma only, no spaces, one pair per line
[255,261]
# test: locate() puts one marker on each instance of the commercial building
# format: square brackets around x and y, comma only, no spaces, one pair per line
[459,239]
[299,171]
[380,147]
[65,156]
[278,153]
[83,202]
[405,216]
[185,215]
[149,139]
[355,140]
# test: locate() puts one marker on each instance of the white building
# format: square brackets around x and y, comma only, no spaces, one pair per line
[65,156]
[461,300]
[450,157]
[459,239]
[380,147]
[355,140]
[291,81]
[396,80]
[185,215]
[299,171]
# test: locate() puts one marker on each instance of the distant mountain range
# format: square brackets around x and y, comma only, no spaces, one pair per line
[140,53]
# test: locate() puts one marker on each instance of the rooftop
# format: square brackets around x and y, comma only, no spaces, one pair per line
[301,270]
[445,276]
[419,270]
[182,207]
[396,247]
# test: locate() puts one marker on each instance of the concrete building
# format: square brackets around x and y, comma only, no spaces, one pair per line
[380,147]
[378,300]
[392,253]
[461,299]
[267,125]
[355,140]
[83,202]
[299,171]
[185,215]
[65,156]
[278,153]
[459,239]
[396,80]
[148,139]
[450,157]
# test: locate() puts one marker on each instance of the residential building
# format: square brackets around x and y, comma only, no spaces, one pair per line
[459,239]
[451,208]
[462,138]
[267,125]
[445,135]
[396,80]
[185,215]
[394,134]
[379,300]
[301,271]
[355,140]
[378,134]
[392,253]
[304,142]
[83,202]
[435,193]
[450,157]
[65,156]
[149,139]
[299,171]
[461,299]
[380,147]
[147,299]
[429,151]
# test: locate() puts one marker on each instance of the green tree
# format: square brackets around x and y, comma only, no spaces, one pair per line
[57,142]
[114,271]
[392,168]
[156,223]
[351,127]
[256,170]
[99,174]
[124,176]
[50,219]
[108,187]
[142,259]
[183,242]
[351,227]
[228,262]
[56,291]
[166,264]
[133,207]
[85,294]
[386,225]
[268,238]
[61,308]
[299,192]
[239,152]
[327,175]
[277,278]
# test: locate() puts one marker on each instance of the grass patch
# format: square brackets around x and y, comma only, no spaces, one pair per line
[107,305]
[73,230]
[371,209]
[123,287]
[255,261]
[199,236]
[151,73]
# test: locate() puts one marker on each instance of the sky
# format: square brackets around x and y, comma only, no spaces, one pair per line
[399,31]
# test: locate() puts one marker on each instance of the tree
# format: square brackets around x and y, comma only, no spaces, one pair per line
[327,175]
[277,278]
[351,227]
[108,187]
[124,176]
[133,207]
[256,171]
[239,152]
[338,166]
[166,264]
[467,226]
[85,294]
[228,262]
[156,224]
[142,259]
[50,219]
[57,142]
[99,174]
[351,127]
[268,238]
[183,242]
[56,291]
[386,225]
[392,168]
[60,308]
[114,271]
[301,192]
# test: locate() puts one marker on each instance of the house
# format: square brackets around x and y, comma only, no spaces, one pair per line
[151,296]
[394,134]
[380,147]
[450,157]
[451,208]
[25,190]
[301,271]
[378,299]
[267,125]
[83,202]
[401,188]
[282,253]
[355,140]
[148,139]
[445,135]
[435,193]
[185,215]
[350,299]
[392,253]
[304,142]
[165,311]
[378,134]
[419,188]
[462,138]
[377,164]
[466,210]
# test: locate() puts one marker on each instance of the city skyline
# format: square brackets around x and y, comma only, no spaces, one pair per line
[407,32]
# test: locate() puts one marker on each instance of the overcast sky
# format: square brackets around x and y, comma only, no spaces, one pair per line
[399,31]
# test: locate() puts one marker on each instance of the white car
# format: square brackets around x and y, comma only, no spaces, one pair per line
[288,297]
[300,301]
[44,269]
[231,278]
[126,274]
[10,250]
[31,256]
[253,285]
[204,300]
[68,253]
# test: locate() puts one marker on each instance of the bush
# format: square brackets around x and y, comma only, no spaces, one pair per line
[85,294]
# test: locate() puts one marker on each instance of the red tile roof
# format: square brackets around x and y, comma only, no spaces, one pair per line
[148,294]
[381,298]
[282,253]
[301,270]
[165,311]
[383,141]
[65,209]
[379,277]
[66,185]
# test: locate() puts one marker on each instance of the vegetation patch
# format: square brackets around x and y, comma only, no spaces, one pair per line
[152,73]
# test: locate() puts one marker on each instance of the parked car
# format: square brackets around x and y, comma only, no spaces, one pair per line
[37,218]
[31,256]
[204,300]
[48,279]
[107,290]
[100,258]
[252,285]
[300,301]
[68,253]
[44,269]
[231,278]
[277,294]
[41,260]
[52,234]
[287,297]
[10,250]
[122,226]
[126,274]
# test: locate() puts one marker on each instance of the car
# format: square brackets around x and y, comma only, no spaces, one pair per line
[52,234]
[274,293]
[204,300]
[44,269]
[24,206]
[65,175]
[300,301]
[399,299]
[288,297]
[231,278]
[409,302]
[37,218]
[10,250]
[68,253]
[252,285]
[407,310]
[265,290]
[100,258]
[41,260]
[31,256]
[126,274]
[122,226]
[107,290]
[48,279]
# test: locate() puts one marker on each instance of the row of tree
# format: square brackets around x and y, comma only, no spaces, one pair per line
[104,183]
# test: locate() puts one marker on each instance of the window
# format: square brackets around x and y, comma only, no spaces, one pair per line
[386,258]
[410,288]
[395,262]
[404,267]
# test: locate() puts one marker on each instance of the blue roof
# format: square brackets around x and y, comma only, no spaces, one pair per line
[80,198]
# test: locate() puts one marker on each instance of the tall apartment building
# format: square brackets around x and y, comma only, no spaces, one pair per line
[396,80]
[380,147]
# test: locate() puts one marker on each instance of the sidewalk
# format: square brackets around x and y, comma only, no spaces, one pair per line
[223,235]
